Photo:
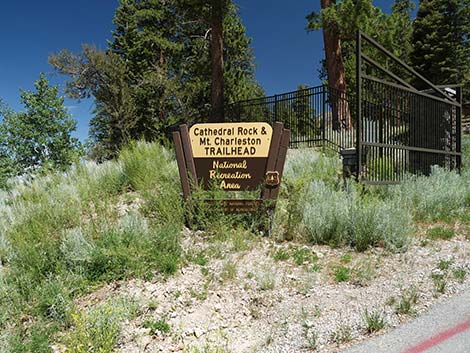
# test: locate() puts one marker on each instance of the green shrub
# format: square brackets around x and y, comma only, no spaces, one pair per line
[62,234]
[52,301]
[338,217]
[98,182]
[302,167]
[148,165]
[380,223]
[384,168]
[465,152]
[326,214]
[305,165]
[164,205]
[76,248]
[151,169]
[36,339]
[131,248]
[440,196]
[210,217]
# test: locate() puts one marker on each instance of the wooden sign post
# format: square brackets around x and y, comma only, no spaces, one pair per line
[234,157]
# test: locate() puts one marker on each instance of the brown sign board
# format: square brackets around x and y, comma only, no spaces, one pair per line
[234,157]
[231,174]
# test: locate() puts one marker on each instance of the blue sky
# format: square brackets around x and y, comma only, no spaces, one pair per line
[30,30]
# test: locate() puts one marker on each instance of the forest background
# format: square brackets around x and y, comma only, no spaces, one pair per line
[185,60]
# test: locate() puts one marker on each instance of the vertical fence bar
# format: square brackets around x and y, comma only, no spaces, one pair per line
[458,123]
[324,114]
[276,118]
[358,103]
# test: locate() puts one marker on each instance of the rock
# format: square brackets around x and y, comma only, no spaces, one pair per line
[177,348]
[308,324]
[145,340]
[198,332]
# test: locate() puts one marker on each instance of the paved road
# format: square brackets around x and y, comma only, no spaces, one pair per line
[444,329]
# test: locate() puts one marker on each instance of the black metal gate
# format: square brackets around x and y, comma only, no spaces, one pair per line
[400,129]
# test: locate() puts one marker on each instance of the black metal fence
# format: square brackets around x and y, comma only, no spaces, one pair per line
[401,131]
[394,128]
[316,116]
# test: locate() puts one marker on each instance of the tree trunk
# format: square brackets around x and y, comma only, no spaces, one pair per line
[217,61]
[341,118]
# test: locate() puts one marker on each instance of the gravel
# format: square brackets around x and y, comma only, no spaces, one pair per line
[279,306]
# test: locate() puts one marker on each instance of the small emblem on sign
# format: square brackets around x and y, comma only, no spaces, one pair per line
[272,178]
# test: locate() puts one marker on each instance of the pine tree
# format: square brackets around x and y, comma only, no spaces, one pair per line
[441,41]
[218,13]
[344,18]
[393,31]
[335,68]
[159,66]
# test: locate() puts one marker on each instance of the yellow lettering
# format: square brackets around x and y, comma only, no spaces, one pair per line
[229,186]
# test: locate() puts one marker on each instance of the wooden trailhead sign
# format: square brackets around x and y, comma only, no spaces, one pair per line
[233,157]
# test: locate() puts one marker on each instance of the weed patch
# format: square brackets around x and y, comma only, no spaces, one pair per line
[281,255]
[460,274]
[266,280]
[228,272]
[440,232]
[156,326]
[374,320]
[98,329]
[405,304]
[341,273]
[342,334]
[303,256]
